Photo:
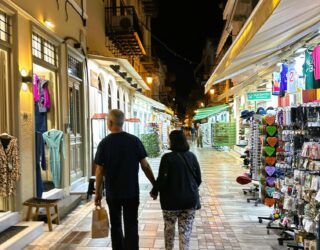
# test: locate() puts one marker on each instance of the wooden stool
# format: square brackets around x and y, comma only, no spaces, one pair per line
[43,203]
[91,187]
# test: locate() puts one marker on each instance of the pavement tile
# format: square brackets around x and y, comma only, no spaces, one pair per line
[225,221]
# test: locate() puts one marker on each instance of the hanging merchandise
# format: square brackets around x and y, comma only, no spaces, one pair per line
[268,171]
[224,134]
[292,79]
[9,165]
[41,93]
[283,77]
[276,89]
[40,162]
[54,140]
[316,62]
[308,71]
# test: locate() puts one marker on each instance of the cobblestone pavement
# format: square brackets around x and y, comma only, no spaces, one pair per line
[226,220]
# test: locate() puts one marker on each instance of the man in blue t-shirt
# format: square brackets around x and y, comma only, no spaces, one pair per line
[118,157]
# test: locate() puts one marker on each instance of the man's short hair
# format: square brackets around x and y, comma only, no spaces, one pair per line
[117,117]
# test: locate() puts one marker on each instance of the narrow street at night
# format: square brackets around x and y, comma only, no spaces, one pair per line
[225,221]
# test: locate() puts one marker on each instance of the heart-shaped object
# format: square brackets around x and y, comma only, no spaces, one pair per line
[272,141]
[271,130]
[270,120]
[269,202]
[270,170]
[271,161]
[270,191]
[269,150]
[270,181]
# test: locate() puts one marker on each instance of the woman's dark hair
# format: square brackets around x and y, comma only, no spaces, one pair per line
[178,141]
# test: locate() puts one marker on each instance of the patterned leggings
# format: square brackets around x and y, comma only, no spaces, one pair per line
[185,221]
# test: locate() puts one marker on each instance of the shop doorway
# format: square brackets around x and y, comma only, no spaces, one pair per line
[76,144]
[48,139]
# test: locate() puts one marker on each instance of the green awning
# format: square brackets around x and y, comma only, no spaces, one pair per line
[206,112]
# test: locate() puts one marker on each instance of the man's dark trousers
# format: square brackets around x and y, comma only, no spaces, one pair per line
[129,208]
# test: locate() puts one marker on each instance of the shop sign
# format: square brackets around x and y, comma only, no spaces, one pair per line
[259,96]
[94,79]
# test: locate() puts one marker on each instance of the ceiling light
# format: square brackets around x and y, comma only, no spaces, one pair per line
[49,24]
[149,80]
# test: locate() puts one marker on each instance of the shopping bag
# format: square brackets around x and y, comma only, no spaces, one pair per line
[100,223]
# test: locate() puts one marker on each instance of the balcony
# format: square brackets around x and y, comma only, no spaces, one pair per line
[123,29]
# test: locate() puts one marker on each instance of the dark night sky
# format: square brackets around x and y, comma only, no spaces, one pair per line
[184,26]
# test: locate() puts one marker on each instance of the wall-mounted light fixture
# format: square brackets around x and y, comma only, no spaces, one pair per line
[49,24]
[24,76]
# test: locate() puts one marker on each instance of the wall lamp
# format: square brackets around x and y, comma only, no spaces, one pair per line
[25,80]
[24,76]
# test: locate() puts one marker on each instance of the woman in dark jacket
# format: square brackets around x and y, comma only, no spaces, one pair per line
[178,181]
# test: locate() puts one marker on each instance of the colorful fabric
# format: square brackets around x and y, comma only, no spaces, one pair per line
[316,62]
[9,166]
[276,83]
[185,221]
[308,72]
[292,80]
[41,94]
[54,141]
[283,77]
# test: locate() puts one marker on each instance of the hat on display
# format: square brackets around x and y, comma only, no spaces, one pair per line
[261,111]
[243,179]
[244,114]
[271,112]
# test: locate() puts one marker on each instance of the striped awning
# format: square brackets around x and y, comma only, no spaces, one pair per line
[206,112]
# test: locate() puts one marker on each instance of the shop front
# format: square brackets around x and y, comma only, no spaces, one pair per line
[43,109]
[281,133]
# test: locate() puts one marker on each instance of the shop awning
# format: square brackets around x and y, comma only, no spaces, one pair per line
[132,120]
[124,67]
[206,112]
[99,116]
[273,26]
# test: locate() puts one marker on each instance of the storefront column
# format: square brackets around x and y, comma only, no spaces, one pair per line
[26,186]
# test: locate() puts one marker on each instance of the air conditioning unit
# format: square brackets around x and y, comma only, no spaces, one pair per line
[123,23]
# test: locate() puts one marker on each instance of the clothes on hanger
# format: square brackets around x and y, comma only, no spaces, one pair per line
[40,162]
[54,140]
[41,93]
[316,62]
[9,165]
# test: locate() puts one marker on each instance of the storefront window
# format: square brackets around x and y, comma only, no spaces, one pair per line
[109,97]
[4,27]
[118,99]
[43,49]
[74,67]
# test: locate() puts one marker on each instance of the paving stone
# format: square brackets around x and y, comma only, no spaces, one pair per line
[226,220]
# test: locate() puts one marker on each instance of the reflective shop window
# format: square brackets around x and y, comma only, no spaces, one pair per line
[43,49]
[74,67]
[4,27]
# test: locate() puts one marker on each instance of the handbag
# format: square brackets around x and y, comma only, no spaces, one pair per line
[100,223]
[190,170]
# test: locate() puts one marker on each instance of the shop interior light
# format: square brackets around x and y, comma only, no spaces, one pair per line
[149,79]
[202,104]
[23,72]
[211,91]
[49,24]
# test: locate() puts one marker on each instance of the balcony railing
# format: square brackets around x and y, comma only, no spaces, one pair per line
[124,30]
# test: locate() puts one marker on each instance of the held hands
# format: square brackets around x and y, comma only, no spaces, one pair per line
[154,193]
[97,199]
